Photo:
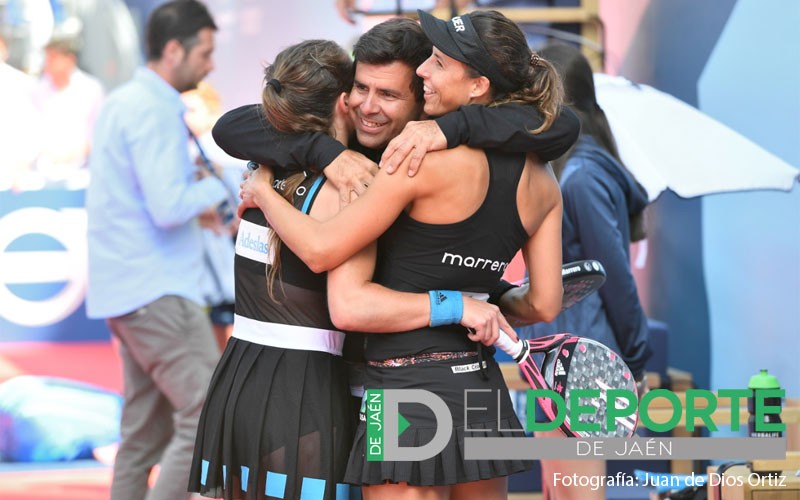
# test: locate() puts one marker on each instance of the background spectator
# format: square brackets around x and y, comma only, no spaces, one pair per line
[68,101]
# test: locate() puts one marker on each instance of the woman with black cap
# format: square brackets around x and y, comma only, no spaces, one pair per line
[452,228]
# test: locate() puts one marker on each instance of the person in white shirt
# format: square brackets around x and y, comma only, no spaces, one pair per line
[17,124]
[68,101]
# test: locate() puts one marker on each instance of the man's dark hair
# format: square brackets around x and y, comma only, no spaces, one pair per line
[398,39]
[179,20]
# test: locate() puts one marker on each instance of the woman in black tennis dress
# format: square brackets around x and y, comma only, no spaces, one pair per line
[452,230]
[278,419]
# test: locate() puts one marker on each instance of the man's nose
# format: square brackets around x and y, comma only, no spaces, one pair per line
[370,104]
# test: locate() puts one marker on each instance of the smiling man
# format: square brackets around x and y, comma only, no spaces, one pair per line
[387,95]
[386,92]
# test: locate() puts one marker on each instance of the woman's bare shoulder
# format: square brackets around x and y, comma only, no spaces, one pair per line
[541,174]
[458,158]
[538,193]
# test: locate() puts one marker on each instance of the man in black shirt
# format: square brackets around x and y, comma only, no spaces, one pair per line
[386,98]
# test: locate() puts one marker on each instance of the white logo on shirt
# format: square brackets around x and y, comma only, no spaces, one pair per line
[252,242]
[455,259]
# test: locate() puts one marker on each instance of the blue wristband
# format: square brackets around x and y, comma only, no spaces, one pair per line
[447,307]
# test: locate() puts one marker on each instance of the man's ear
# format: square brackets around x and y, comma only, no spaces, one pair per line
[173,52]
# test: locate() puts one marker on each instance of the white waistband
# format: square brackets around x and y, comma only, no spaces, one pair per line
[288,336]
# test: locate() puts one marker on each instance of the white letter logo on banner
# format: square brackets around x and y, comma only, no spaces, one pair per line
[68,227]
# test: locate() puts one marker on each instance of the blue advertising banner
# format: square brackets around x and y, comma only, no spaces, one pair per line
[43,267]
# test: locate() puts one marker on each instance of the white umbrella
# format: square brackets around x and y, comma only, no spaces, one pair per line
[668,144]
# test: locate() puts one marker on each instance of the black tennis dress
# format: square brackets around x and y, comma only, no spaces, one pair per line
[469,256]
[278,420]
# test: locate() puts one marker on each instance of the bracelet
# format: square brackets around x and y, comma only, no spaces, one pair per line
[447,307]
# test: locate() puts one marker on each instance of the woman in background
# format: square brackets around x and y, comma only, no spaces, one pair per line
[603,213]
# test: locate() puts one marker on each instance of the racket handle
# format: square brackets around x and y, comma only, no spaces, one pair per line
[514,349]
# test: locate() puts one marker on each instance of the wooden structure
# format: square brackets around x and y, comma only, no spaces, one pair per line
[586,15]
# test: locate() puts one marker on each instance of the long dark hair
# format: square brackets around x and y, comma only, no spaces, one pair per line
[534,79]
[300,92]
[580,94]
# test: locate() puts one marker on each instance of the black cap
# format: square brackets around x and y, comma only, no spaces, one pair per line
[458,39]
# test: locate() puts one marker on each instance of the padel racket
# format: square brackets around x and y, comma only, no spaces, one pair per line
[571,363]
[580,279]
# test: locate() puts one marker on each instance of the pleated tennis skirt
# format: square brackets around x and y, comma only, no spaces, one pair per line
[277,423]
[448,380]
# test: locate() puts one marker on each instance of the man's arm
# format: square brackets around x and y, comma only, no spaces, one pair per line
[158,148]
[246,134]
[345,9]
[506,127]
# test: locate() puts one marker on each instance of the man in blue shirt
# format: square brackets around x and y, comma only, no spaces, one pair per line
[146,252]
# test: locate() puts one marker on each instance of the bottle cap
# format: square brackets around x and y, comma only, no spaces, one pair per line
[763,380]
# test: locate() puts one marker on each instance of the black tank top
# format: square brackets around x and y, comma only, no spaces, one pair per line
[469,256]
[300,293]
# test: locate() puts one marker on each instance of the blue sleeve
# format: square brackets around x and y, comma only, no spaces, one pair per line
[591,203]
[158,145]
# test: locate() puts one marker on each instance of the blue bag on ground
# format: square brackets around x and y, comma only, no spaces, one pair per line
[46,419]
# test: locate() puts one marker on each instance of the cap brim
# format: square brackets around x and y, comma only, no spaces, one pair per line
[436,31]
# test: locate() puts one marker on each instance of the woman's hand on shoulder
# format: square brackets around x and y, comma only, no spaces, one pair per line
[416,139]
[351,173]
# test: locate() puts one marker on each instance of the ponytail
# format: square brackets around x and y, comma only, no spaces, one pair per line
[534,80]
[543,89]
